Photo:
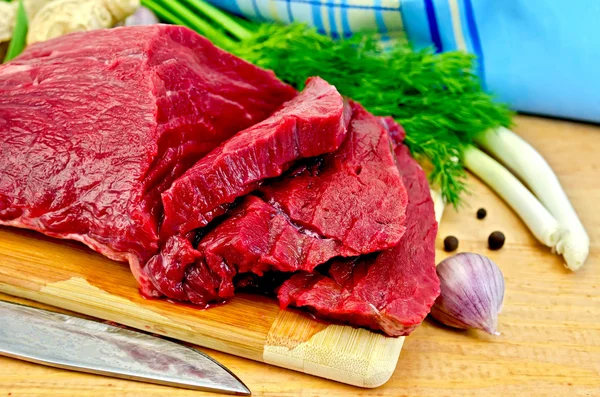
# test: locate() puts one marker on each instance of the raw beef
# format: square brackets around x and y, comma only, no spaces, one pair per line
[395,130]
[309,125]
[364,212]
[102,133]
[256,237]
[94,126]
[356,196]
[392,291]
[313,123]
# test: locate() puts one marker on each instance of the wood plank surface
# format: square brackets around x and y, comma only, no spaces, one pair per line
[550,325]
[70,276]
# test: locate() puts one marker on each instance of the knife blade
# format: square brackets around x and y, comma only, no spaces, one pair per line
[74,343]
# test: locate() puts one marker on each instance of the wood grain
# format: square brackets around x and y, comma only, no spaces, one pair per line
[550,325]
[70,276]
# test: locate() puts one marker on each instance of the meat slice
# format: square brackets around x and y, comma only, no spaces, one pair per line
[311,124]
[391,292]
[94,126]
[259,235]
[258,238]
[395,130]
[356,196]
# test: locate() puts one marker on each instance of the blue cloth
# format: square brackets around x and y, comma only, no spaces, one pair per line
[539,56]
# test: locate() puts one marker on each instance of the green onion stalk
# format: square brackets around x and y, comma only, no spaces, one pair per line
[19,36]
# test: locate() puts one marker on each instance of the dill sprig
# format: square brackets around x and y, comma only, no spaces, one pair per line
[437,98]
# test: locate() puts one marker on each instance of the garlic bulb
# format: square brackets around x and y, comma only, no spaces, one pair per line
[472,292]
[8,11]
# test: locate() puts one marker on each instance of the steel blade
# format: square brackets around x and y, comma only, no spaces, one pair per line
[64,341]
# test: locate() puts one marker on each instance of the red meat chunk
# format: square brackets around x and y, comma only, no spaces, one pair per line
[356,197]
[311,124]
[95,125]
[260,236]
[391,292]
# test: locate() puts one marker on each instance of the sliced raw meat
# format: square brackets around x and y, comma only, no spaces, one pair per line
[311,124]
[391,292]
[93,126]
[356,196]
[169,269]
[259,236]
[256,238]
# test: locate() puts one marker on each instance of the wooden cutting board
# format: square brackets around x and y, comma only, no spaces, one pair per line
[550,324]
[68,275]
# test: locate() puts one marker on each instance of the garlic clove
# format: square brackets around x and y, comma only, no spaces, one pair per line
[472,293]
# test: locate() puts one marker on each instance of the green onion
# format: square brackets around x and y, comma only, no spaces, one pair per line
[537,218]
[535,171]
[163,13]
[220,17]
[19,37]
[175,12]
[245,23]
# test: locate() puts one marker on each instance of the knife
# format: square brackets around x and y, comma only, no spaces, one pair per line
[64,341]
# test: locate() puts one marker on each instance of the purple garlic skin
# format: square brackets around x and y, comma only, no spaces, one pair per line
[472,292]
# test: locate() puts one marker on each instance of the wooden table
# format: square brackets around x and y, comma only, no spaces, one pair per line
[550,342]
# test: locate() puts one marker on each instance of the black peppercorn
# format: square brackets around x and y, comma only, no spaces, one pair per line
[481,213]
[496,240]
[450,244]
